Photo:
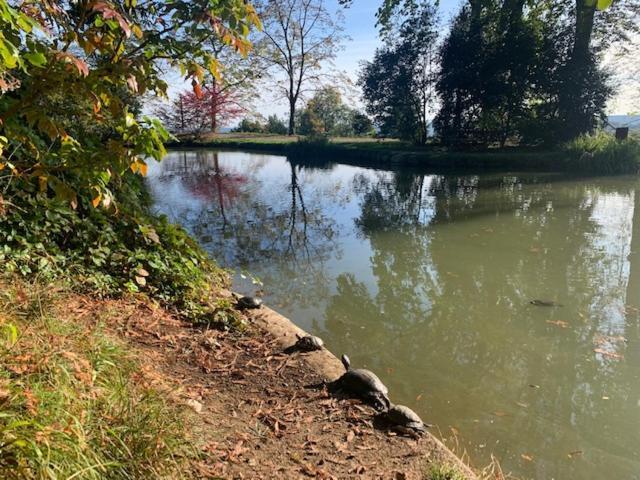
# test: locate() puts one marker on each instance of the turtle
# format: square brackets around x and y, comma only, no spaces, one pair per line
[362,383]
[545,303]
[308,343]
[403,420]
[249,302]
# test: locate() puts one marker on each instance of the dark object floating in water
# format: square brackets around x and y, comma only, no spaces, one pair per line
[308,343]
[249,302]
[403,420]
[545,303]
[362,383]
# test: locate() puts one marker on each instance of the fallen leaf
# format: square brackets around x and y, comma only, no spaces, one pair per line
[606,353]
[527,457]
[195,405]
[575,453]
[31,402]
[558,323]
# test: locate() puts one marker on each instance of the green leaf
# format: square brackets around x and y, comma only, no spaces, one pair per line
[36,59]
[603,4]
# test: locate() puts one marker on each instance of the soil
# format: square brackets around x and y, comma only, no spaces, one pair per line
[252,413]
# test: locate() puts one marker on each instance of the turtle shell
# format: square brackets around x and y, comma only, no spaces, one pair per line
[362,381]
[249,302]
[404,416]
[309,343]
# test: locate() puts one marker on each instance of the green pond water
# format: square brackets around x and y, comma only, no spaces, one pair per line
[427,280]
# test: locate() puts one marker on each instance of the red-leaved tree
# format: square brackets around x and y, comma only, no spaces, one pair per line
[203,110]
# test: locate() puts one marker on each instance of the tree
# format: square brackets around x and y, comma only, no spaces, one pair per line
[299,38]
[275,125]
[91,52]
[326,114]
[250,125]
[399,83]
[361,124]
[506,72]
[194,114]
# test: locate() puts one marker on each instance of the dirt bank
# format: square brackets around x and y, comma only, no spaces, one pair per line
[251,415]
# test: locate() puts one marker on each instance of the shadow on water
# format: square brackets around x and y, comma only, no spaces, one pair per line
[427,279]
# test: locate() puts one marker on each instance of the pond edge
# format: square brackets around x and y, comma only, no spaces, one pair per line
[329,367]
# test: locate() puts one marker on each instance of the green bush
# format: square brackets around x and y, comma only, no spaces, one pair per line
[602,153]
[109,252]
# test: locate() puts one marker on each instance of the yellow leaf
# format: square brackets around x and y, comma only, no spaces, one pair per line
[96,201]
[141,281]
[42,181]
[137,31]
[142,167]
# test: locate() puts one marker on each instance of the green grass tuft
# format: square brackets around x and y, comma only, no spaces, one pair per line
[443,472]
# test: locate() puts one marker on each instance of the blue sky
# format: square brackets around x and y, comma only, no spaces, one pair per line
[360,26]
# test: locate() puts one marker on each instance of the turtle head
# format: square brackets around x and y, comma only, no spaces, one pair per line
[346,362]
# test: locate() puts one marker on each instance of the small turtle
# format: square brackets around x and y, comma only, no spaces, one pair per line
[545,303]
[403,420]
[364,384]
[249,302]
[308,343]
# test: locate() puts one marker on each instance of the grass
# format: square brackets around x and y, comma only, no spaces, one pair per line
[72,403]
[602,153]
[599,153]
[443,472]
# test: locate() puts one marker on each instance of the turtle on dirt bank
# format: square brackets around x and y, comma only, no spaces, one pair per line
[249,303]
[306,343]
[362,383]
[403,420]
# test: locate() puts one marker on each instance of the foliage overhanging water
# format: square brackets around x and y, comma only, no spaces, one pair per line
[427,280]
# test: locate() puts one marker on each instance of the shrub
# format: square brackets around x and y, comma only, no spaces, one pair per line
[602,153]
[123,249]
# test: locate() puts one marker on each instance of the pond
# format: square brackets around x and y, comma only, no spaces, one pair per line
[427,280]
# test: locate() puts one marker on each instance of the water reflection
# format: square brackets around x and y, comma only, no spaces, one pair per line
[427,279]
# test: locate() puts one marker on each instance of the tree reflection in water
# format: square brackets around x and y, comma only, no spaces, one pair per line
[254,224]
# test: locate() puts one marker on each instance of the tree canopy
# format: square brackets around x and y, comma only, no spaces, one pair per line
[70,72]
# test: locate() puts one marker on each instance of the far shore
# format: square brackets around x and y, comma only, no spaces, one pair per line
[372,152]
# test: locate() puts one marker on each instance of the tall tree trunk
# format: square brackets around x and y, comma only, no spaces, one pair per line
[292,116]
[585,15]
[575,79]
